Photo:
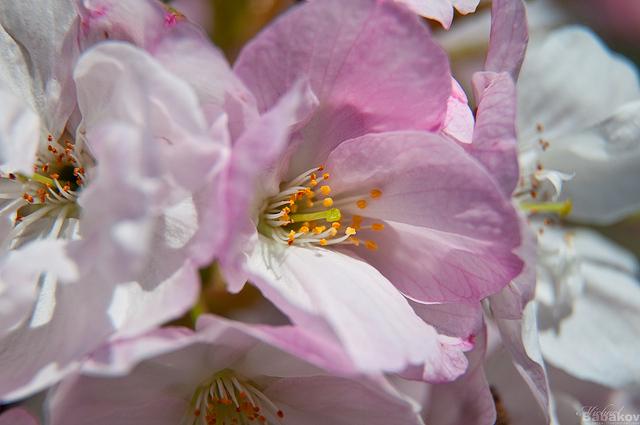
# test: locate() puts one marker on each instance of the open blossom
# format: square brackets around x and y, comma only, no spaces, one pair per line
[578,153]
[582,149]
[349,174]
[94,149]
[225,373]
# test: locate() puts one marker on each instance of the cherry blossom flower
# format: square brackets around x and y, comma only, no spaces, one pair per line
[93,166]
[225,373]
[349,174]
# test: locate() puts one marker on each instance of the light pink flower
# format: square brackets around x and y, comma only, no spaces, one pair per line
[120,144]
[353,110]
[227,371]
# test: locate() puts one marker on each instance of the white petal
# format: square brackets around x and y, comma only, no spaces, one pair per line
[35,59]
[605,161]
[19,133]
[600,339]
[570,81]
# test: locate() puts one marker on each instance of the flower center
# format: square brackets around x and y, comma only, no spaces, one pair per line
[48,195]
[305,214]
[229,399]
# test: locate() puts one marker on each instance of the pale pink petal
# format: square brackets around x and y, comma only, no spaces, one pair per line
[509,36]
[441,10]
[18,416]
[468,400]
[459,121]
[252,173]
[494,136]
[37,356]
[375,324]
[117,82]
[372,65]
[19,274]
[438,204]
[511,301]
[322,400]
[120,356]
[165,34]
[456,319]
[148,397]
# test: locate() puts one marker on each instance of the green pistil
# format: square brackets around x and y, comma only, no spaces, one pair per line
[561,208]
[42,179]
[329,215]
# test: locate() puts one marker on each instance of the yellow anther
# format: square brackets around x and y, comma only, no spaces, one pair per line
[304,229]
[319,229]
[325,189]
[333,231]
[356,221]
[327,202]
[309,192]
[325,176]
[336,225]
[323,242]
[292,235]
[313,182]
[376,193]
[350,231]
[294,208]
[371,245]
[377,226]
[362,204]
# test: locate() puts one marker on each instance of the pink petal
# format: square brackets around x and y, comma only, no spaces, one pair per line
[511,301]
[509,36]
[439,205]
[373,66]
[252,172]
[459,121]
[17,416]
[320,288]
[441,10]
[468,400]
[322,400]
[494,136]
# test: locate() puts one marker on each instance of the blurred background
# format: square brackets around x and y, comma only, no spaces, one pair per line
[231,23]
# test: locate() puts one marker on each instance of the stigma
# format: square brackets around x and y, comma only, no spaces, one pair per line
[306,212]
[230,399]
[40,203]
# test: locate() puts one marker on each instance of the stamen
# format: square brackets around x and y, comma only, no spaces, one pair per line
[230,399]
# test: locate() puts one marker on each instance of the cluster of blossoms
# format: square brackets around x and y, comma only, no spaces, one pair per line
[403,244]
